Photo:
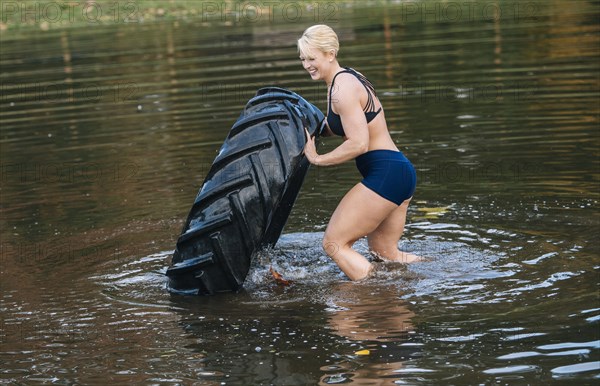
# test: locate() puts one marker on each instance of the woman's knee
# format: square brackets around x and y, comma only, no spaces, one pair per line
[330,245]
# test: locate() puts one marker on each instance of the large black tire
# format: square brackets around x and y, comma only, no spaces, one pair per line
[247,195]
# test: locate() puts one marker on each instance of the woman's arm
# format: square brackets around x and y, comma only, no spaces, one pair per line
[354,122]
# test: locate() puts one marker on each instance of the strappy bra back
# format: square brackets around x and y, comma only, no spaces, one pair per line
[334,120]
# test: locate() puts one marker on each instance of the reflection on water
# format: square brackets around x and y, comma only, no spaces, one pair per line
[106,133]
[380,324]
[368,315]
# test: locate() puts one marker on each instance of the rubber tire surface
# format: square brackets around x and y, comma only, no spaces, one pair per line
[248,194]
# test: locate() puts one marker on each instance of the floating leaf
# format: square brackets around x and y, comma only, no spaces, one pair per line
[362,352]
[431,213]
[278,278]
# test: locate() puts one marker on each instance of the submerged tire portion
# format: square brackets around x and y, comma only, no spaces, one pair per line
[247,195]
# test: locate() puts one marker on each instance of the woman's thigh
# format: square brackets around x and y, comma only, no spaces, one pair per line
[359,213]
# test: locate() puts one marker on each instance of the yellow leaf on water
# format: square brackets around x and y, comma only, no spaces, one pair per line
[437,210]
[362,352]
[428,213]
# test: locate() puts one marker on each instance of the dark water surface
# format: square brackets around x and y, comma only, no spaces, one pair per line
[108,132]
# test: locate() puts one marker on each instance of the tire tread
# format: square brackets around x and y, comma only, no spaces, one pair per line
[247,194]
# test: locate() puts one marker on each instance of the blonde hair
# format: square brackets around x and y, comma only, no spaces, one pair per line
[321,37]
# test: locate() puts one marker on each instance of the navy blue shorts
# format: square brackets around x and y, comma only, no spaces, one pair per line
[388,173]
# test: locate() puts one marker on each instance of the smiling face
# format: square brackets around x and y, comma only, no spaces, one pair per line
[316,63]
[319,64]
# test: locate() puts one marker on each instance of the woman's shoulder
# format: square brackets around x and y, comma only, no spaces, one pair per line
[360,79]
[346,87]
[347,81]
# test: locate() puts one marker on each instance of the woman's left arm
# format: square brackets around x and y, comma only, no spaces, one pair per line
[355,127]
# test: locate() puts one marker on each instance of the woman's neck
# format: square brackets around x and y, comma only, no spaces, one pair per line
[334,70]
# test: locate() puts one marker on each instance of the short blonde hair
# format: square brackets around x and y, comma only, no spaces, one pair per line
[321,37]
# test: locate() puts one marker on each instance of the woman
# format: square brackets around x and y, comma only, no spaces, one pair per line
[376,207]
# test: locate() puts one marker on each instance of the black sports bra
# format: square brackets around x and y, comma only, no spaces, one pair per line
[334,121]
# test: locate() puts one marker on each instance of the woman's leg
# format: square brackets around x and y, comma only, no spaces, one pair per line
[383,241]
[359,213]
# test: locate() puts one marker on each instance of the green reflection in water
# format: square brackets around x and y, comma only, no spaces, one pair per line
[107,132]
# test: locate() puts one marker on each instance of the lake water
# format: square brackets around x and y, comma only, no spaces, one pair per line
[106,135]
